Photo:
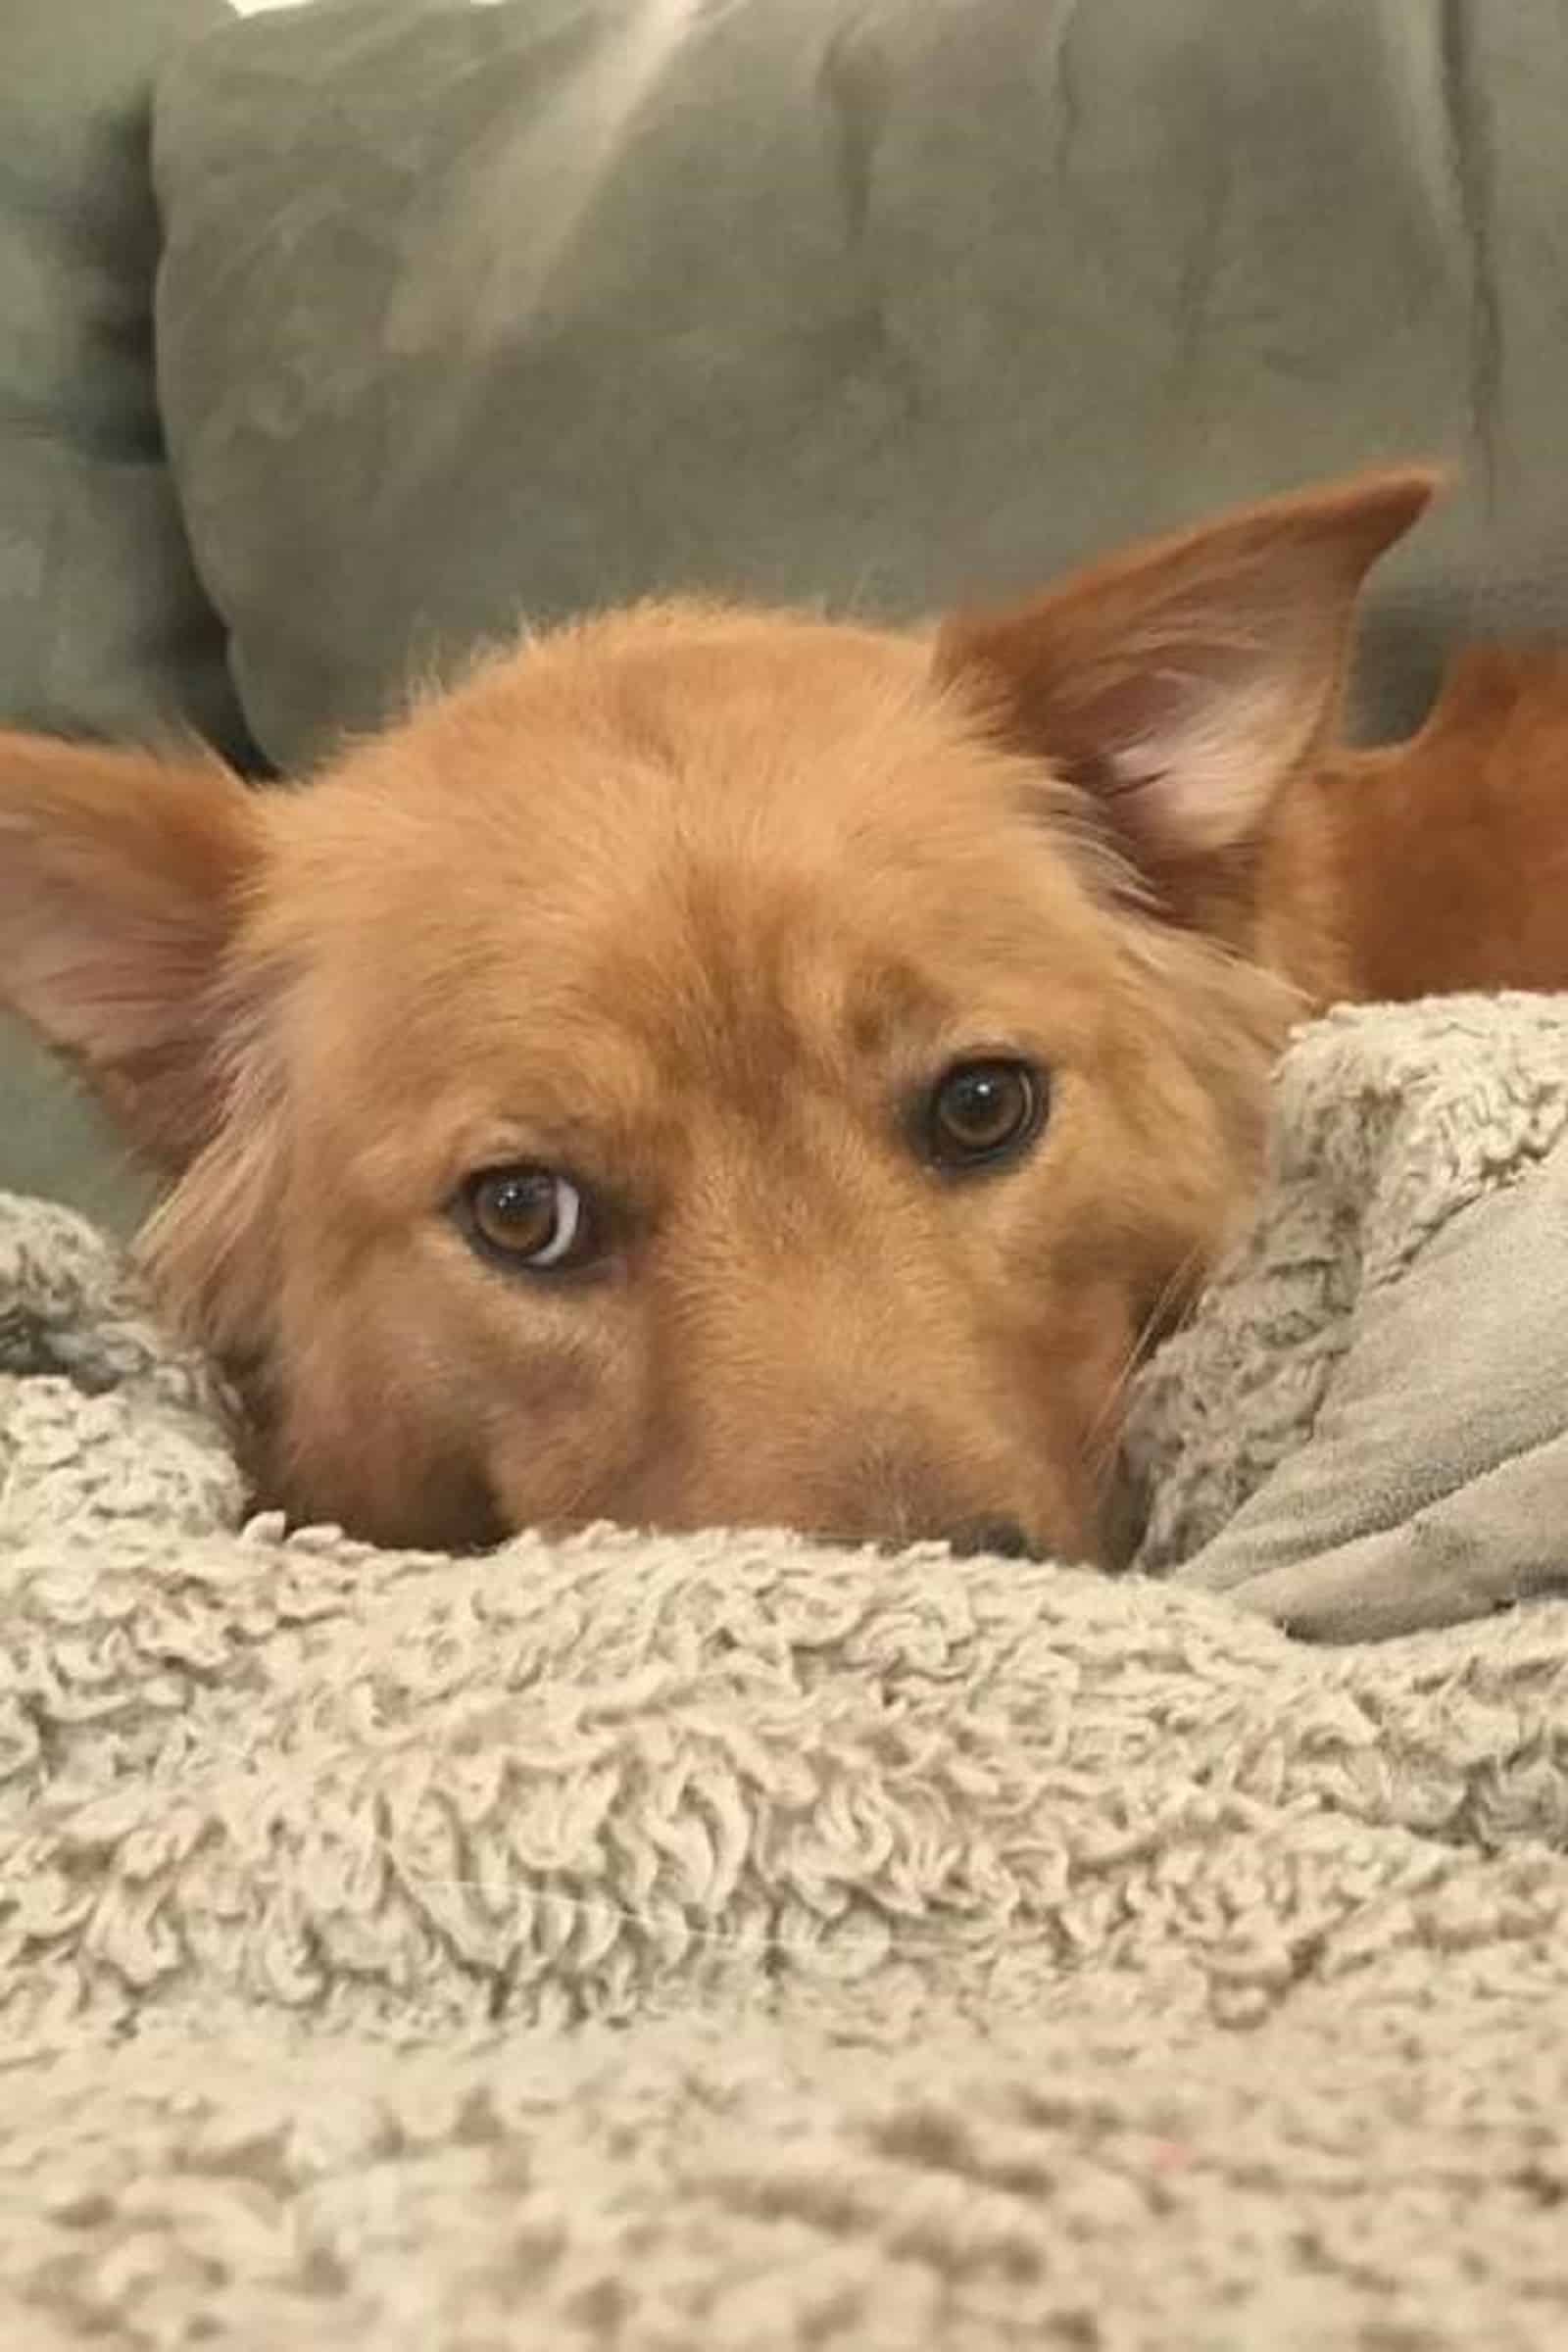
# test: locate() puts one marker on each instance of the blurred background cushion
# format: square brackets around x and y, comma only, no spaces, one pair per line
[104,628]
[475,311]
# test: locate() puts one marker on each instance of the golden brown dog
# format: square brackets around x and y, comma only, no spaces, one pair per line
[720,1066]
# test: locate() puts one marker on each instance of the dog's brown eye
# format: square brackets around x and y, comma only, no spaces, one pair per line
[528,1216]
[981,1110]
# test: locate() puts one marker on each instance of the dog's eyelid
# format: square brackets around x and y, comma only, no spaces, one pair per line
[474,1147]
[933,1119]
[475,1152]
[963,1045]
[920,1072]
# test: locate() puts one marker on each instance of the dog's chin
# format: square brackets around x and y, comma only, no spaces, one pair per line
[387,1496]
[477,1523]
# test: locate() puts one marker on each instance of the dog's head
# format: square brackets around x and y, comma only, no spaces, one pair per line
[712,1067]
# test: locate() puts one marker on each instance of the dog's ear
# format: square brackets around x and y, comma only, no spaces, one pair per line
[1182,682]
[122,879]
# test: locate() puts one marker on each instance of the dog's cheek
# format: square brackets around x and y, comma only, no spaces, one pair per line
[1073,1256]
[570,1423]
[528,1397]
[374,1411]
[1074,1362]
[1173,1157]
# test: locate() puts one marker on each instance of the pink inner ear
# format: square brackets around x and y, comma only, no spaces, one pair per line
[133,1006]
[1192,758]
[102,994]
[103,951]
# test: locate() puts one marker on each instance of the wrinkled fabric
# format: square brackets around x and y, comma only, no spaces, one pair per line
[476,314]
[721,1942]
[1370,1415]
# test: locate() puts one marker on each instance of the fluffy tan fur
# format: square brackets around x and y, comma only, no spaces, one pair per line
[696,904]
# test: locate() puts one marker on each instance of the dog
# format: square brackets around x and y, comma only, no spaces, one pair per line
[717,1067]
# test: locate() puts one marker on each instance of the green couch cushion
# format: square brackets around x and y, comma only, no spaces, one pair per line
[104,628]
[472,312]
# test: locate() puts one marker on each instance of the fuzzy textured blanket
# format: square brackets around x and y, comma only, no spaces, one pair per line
[726,1947]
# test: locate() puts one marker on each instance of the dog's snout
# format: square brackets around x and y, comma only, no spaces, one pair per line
[1004,1537]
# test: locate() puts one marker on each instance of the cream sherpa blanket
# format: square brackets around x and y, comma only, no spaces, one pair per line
[726,1947]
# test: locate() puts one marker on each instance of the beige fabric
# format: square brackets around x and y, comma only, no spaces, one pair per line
[1366,1430]
[724,1944]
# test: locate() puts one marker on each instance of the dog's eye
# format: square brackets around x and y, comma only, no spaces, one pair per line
[526,1216]
[980,1111]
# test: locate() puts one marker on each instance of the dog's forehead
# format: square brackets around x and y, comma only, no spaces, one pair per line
[722,844]
[655,713]
[701,949]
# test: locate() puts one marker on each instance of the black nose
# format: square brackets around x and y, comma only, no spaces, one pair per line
[1002,1536]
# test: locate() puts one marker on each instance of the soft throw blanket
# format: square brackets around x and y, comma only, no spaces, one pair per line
[725,1943]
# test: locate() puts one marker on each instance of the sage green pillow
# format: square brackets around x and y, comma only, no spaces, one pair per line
[104,627]
[469,313]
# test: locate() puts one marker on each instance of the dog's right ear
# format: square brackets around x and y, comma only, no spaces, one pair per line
[123,879]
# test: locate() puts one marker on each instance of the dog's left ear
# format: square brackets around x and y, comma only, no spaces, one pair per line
[1182,683]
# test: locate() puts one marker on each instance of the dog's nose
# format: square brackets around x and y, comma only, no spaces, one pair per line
[1002,1536]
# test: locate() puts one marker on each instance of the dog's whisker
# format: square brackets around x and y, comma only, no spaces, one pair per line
[1101,1442]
